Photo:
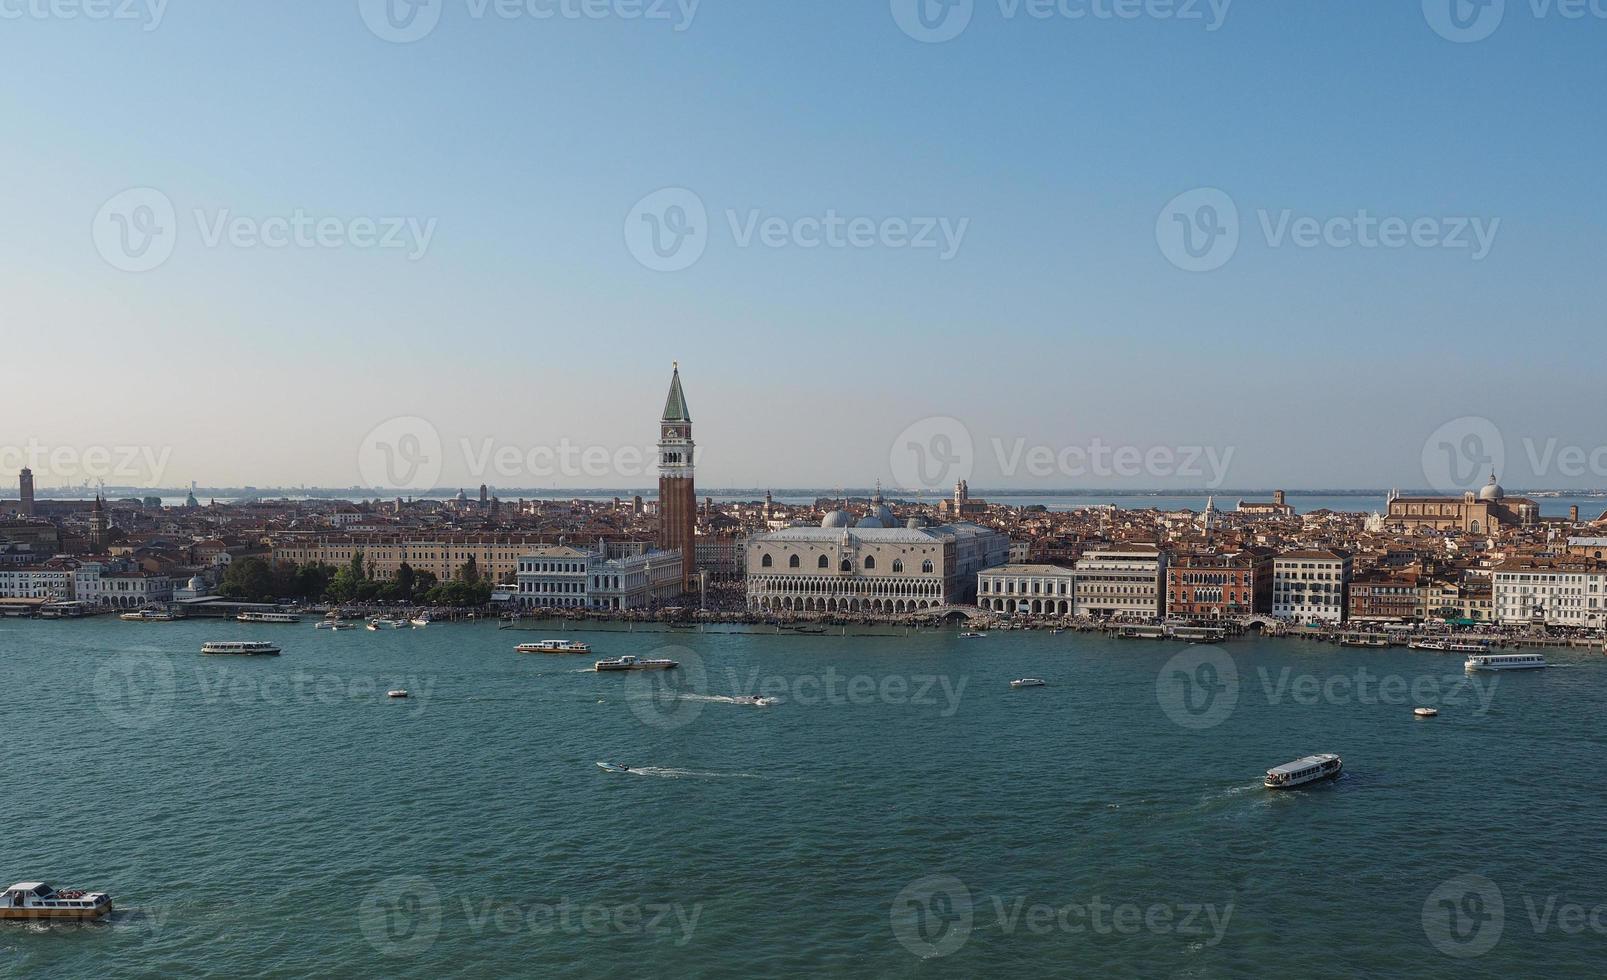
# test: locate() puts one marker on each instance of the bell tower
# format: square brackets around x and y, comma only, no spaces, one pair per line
[677,497]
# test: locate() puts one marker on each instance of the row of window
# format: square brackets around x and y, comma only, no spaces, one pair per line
[846,565]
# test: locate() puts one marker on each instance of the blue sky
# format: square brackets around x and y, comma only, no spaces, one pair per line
[1058,321]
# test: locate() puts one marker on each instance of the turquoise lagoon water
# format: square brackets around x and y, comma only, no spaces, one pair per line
[902,812]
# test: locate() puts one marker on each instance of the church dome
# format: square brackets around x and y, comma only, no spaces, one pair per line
[196,585]
[1492,491]
[870,521]
[838,518]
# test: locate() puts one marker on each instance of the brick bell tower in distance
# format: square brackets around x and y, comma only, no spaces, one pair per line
[677,498]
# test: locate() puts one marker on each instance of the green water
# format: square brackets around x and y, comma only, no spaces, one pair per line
[900,812]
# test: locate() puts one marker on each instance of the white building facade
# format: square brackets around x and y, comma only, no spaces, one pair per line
[1311,586]
[1123,581]
[1027,590]
[1551,592]
[571,578]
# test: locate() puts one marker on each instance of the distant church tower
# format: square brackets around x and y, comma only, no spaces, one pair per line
[677,498]
[98,538]
[25,491]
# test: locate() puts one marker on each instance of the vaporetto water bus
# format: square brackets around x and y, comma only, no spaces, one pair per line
[147,616]
[1311,769]
[632,663]
[37,900]
[1505,661]
[240,648]
[267,617]
[553,646]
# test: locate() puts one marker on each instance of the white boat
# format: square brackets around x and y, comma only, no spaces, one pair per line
[240,648]
[373,626]
[1302,771]
[329,624]
[267,617]
[37,900]
[1468,646]
[1426,712]
[1028,682]
[1438,646]
[148,616]
[755,700]
[420,622]
[398,693]
[633,663]
[611,767]
[1505,661]
[972,636]
[553,646]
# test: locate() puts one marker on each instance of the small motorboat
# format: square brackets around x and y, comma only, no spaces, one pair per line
[1028,682]
[37,900]
[972,636]
[755,700]
[398,693]
[1426,712]
[373,626]
[611,767]
[421,622]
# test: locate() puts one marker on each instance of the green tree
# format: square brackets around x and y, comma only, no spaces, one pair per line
[249,579]
[470,571]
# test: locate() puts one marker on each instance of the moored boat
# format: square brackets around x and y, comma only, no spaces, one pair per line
[553,646]
[148,616]
[1438,646]
[240,648]
[1505,661]
[419,622]
[633,663]
[968,635]
[267,617]
[37,900]
[1300,772]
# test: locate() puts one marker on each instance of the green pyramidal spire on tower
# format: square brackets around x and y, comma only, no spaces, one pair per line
[675,405]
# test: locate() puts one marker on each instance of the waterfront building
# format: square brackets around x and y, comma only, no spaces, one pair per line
[722,556]
[1310,586]
[1214,585]
[1037,590]
[1561,591]
[611,579]
[873,566]
[495,556]
[677,495]
[1126,580]
[1487,512]
[1382,596]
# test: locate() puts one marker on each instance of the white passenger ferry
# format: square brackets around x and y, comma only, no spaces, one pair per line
[1505,661]
[240,648]
[1302,771]
[632,663]
[147,616]
[267,617]
[553,646]
[37,900]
